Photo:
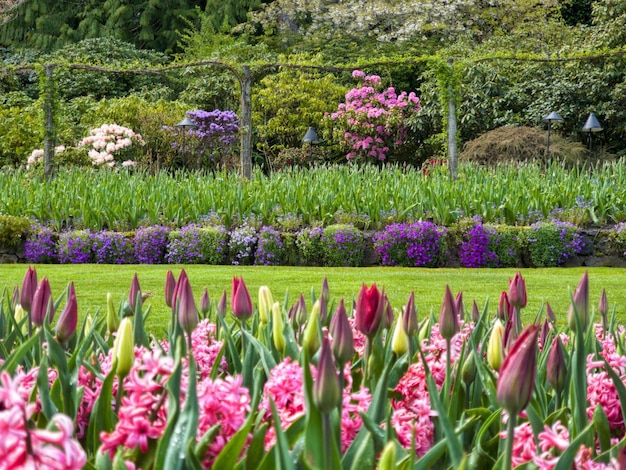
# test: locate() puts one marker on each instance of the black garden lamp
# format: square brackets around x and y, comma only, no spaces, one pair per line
[185,125]
[550,118]
[591,127]
[311,138]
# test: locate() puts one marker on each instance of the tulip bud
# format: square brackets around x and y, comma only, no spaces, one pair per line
[341,332]
[448,319]
[388,316]
[580,308]
[495,349]
[311,336]
[240,300]
[42,303]
[326,390]
[557,367]
[517,375]
[325,292]
[124,347]
[88,323]
[135,291]
[550,313]
[468,371]
[19,314]
[424,331]
[297,313]
[387,459]
[187,310]
[517,291]
[221,305]
[399,340]
[475,312]
[205,303]
[278,327]
[15,298]
[29,286]
[603,308]
[113,317]
[504,307]
[170,286]
[66,325]
[369,310]
[409,316]
[458,306]
[545,331]
[265,303]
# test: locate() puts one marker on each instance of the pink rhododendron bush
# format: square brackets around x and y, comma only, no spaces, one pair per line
[324,384]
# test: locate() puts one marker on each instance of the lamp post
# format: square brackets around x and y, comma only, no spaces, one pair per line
[592,126]
[550,118]
[310,138]
[185,124]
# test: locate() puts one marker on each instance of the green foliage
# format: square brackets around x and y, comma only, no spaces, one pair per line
[343,245]
[551,243]
[194,245]
[309,243]
[22,131]
[13,230]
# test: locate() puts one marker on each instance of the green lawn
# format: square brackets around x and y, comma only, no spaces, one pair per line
[92,283]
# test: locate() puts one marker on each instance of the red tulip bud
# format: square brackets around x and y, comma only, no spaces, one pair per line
[15,298]
[458,306]
[475,312]
[326,390]
[135,290]
[409,316]
[388,316]
[517,291]
[504,307]
[448,319]
[221,305]
[42,303]
[240,300]
[29,285]
[550,313]
[170,286]
[66,325]
[341,332]
[557,367]
[580,308]
[187,311]
[517,375]
[369,310]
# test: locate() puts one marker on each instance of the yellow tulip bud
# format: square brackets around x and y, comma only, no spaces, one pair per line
[265,303]
[124,347]
[278,326]
[19,314]
[311,338]
[388,457]
[113,318]
[399,340]
[495,353]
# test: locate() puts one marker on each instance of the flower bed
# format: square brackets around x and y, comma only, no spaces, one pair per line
[240,385]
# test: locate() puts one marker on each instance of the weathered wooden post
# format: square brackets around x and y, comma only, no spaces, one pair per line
[452,129]
[246,122]
[49,129]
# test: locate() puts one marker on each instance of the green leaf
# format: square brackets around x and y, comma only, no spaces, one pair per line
[102,417]
[281,448]
[19,354]
[231,452]
[566,460]
[256,448]
[455,449]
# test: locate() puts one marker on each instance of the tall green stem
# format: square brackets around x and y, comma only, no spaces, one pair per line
[328,440]
[508,454]
[446,385]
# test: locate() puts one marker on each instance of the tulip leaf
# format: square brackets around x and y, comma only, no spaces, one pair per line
[455,449]
[139,333]
[314,445]
[566,460]
[19,354]
[205,441]
[603,431]
[173,408]
[266,357]
[433,456]
[102,417]
[233,353]
[59,361]
[231,452]
[256,448]
[47,407]
[281,448]
[619,386]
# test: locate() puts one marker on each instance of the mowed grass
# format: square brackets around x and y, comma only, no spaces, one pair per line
[92,282]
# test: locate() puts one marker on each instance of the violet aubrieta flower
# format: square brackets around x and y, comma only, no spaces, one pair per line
[418,244]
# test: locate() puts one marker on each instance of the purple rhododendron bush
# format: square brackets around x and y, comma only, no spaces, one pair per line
[328,384]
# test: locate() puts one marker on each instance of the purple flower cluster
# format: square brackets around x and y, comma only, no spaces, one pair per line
[474,249]
[195,244]
[75,247]
[217,130]
[551,243]
[41,245]
[269,248]
[112,248]
[343,245]
[415,244]
[151,244]
[242,245]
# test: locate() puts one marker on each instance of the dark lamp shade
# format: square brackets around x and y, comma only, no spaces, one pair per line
[311,137]
[187,124]
[592,124]
[552,117]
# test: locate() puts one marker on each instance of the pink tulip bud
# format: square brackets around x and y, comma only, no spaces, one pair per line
[135,290]
[369,310]
[545,331]
[341,333]
[15,298]
[205,302]
[170,286]
[66,325]
[297,313]
[504,307]
[325,293]
[458,306]
[221,305]
[240,300]
[187,311]
[557,367]
[580,308]
[326,390]
[517,291]
[517,375]
[603,304]
[475,312]
[29,285]
[388,316]
[409,316]
[550,313]
[448,319]
[42,303]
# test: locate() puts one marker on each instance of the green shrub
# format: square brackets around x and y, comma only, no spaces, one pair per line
[196,244]
[343,245]
[309,245]
[13,230]
[551,243]
[507,245]
[618,239]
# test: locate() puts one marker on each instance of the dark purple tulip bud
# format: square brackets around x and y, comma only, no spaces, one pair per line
[170,286]
[557,367]
[66,325]
[580,308]
[545,331]
[369,310]
[448,319]
[29,285]
[517,291]
[326,390]
[341,333]
[458,306]
[517,375]
[15,298]
[504,307]
[187,310]
[475,312]
[42,302]
[409,316]
[603,304]
[550,313]
[205,302]
[240,300]
[221,305]
[388,316]
[135,290]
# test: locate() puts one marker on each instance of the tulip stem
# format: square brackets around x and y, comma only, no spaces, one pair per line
[508,455]
[327,430]
[446,383]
